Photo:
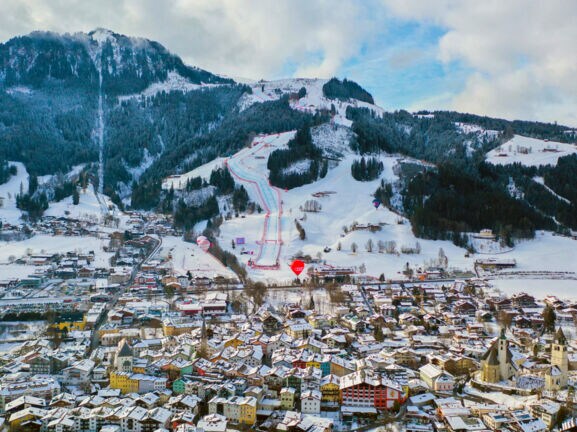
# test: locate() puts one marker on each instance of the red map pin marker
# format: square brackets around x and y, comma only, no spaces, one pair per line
[297,267]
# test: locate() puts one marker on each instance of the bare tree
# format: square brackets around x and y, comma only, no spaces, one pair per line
[442,259]
[391,247]
[369,246]
[354,247]
[312,206]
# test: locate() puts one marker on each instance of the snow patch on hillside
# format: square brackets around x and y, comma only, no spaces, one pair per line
[147,161]
[298,167]
[50,181]
[530,152]
[477,130]
[198,197]
[541,181]
[9,191]
[334,140]
[178,181]
[19,90]
[101,35]
[314,99]
[173,82]
[92,207]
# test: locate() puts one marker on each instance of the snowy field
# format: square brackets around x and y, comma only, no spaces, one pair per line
[536,259]
[280,297]
[40,244]
[545,252]
[540,288]
[89,207]
[189,257]
[529,152]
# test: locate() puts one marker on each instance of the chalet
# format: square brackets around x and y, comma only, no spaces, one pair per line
[85,272]
[465,307]
[366,227]
[40,260]
[523,300]
[271,322]
[499,304]
[495,263]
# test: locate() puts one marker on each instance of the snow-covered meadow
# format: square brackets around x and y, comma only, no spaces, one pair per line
[530,152]
[45,244]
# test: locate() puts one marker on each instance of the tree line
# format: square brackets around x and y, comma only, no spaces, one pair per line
[366,169]
[346,89]
[300,148]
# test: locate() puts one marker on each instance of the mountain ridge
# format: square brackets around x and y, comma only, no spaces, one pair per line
[133,114]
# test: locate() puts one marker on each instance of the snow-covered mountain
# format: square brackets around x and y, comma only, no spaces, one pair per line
[128,64]
[152,133]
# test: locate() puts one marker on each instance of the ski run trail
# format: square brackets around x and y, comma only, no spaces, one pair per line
[270,243]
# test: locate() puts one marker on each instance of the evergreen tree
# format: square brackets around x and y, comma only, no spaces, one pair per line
[75,196]
[311,303]
[549,317]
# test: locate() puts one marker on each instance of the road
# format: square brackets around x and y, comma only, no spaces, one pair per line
[112,302]
[366,300]
[269,199]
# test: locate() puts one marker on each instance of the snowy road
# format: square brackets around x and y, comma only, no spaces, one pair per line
[269,199]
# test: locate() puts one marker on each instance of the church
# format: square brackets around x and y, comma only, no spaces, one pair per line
[124,357]
[497,363]
[556,375]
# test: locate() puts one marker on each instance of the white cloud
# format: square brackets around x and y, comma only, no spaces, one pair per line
[521,53]
[251,38]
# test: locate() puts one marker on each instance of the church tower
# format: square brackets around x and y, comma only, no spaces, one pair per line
[559,356]
[503,356]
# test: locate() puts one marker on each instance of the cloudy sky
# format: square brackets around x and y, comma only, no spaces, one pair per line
[513,58]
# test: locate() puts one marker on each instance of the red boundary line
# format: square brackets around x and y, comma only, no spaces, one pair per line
[267,216]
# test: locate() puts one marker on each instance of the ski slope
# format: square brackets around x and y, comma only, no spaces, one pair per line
[243,168]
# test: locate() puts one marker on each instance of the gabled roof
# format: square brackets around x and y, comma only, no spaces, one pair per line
[125,349]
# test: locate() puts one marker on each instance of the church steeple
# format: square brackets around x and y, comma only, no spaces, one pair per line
[557,376]
[124,356]
[560,338]
[203,333]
